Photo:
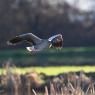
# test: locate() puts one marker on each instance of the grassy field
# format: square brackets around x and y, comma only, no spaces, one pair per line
[76,56]
[65,56]
[64,52]
[52,70]
[49,62]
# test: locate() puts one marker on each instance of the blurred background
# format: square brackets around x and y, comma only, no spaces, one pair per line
[74,19]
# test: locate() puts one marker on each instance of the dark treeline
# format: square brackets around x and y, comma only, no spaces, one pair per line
[44,20]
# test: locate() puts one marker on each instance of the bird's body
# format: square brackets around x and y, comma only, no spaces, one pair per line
[37,44]
[42,45]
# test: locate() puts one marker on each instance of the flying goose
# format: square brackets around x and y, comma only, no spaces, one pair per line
[36,43]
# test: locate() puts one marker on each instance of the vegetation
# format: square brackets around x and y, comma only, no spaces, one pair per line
[33,83]
[55,70]
[52,57]
[46,79]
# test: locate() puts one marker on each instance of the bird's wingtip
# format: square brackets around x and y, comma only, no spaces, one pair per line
[8,43]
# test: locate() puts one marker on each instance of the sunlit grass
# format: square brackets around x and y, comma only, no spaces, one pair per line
[53,70]
[66,55]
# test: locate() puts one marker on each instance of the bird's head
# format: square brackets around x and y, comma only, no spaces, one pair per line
[56,40]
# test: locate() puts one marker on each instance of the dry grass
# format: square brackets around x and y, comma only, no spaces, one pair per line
[13,83]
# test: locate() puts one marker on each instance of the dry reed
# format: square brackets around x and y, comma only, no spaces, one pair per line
[72,84]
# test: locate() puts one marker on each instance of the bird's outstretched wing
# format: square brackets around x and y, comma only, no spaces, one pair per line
[56,40]
[29,37]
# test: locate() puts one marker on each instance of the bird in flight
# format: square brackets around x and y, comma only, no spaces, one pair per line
[36,43]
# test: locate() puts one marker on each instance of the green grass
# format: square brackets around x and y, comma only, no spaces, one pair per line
[53,70]
[64,69]
[67,52]
[77,55]
[81,54]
